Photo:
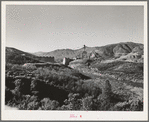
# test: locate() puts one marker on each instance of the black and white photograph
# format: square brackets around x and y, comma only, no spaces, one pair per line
[74,60]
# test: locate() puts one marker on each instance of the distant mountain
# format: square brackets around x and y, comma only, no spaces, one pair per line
[38,53]
[108,51]
[127,50]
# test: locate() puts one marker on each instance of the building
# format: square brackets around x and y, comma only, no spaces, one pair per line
[66,61]
[84,53]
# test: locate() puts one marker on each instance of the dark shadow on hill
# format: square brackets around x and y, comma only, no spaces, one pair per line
[44,90]
[38,88]
[115,98]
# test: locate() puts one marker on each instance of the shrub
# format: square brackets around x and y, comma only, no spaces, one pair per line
[137,105]
[29,66]
[48,104]
[106,91]
[72,103]
[28,102]
[103,100]
[9,66]
[17,67]
[91,88]
[87,103]
[23,85]
[131,105]
[102,103]
[33,105]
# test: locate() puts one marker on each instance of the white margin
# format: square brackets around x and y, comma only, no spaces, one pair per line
[64,115]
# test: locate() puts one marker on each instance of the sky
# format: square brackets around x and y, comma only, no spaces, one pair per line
[45,28]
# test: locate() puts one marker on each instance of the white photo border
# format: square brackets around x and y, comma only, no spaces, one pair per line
[65,115]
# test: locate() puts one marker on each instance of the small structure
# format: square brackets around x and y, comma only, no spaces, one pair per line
[84,53]
[66,61]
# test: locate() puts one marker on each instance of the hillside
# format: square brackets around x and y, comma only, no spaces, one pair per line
[58,87]
[108,51]
[13,51]
[128,51]
[16,56]
[111,80]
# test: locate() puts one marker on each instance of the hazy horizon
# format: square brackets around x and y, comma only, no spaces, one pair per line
[35,28]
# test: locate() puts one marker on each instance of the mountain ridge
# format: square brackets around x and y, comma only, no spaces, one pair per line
[108,51]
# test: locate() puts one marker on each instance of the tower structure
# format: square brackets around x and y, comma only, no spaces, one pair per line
[84,47]
[84,53]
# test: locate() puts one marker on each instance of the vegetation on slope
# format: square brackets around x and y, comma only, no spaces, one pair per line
[60,88]
[15,56]
[90,85]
